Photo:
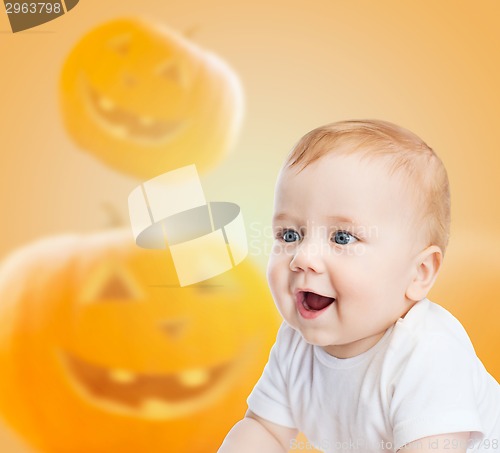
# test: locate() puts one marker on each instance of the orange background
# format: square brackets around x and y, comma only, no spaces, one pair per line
[431,66]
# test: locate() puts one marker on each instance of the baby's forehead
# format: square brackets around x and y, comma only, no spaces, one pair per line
[381,169]
[359,176]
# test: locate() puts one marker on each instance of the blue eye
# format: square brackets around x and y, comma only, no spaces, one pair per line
[343,238]
[290,236]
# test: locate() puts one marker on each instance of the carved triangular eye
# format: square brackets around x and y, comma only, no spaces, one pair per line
[170,70]
[111,283]
[121,44]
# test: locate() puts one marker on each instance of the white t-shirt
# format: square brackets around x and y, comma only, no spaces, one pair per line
[422,378]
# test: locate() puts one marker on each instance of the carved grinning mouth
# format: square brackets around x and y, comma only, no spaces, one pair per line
[127,125]
[149,395]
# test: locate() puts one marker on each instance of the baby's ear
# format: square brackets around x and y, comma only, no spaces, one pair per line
[427,264]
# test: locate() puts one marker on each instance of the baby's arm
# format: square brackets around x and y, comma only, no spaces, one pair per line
[253,433]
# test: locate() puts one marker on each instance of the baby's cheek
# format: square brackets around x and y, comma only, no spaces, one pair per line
[359,250]
[278,274]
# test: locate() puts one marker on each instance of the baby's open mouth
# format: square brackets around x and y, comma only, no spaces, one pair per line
[314,302]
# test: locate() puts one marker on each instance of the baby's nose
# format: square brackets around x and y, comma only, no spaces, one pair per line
[309,256]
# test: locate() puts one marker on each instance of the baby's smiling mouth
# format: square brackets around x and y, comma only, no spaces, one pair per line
[313,302]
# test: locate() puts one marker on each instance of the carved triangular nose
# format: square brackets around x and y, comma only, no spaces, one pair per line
[174,328]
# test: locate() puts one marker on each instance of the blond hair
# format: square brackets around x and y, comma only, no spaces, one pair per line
[406,154]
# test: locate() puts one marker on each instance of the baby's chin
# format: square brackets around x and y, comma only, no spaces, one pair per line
[312,336]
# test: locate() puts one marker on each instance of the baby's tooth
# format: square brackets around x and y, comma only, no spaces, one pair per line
[106,104]
[122,376]
[194,378]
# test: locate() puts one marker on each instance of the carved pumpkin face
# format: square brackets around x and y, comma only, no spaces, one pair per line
[101,350]
[145,100]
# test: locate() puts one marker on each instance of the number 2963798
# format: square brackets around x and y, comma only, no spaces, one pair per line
[33,8]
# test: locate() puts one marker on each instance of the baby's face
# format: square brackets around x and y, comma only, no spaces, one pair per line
[345,248]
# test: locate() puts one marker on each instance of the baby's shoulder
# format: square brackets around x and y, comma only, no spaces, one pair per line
[430,332]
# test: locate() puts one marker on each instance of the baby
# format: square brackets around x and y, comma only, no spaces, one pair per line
[364,362]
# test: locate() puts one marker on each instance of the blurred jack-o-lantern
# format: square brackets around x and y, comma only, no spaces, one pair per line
[146,100]
[102,351]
